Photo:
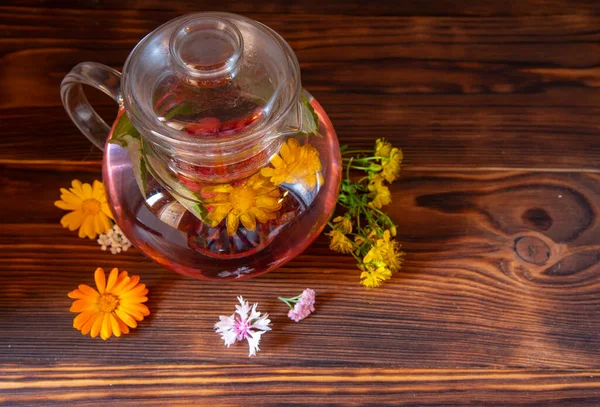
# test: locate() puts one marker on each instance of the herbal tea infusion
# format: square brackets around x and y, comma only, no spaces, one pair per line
[219,165]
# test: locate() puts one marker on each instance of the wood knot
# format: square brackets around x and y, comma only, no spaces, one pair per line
[532,250]
[537,218]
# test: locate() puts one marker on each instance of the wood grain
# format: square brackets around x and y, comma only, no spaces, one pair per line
[453,91]
[260,386]
[474,8]
[496,107]
[468,296]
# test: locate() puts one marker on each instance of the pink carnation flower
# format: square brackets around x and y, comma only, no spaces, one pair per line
[249,324]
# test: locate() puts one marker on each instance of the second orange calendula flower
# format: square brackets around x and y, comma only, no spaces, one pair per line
[113,309]
[295,164]
[255,200]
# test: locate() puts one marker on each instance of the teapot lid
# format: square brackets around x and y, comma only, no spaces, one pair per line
[212,78]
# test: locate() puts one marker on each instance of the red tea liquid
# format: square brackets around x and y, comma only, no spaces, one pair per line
[209,114]
[166,232]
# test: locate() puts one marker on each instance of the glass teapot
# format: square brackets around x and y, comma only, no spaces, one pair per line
[218,165]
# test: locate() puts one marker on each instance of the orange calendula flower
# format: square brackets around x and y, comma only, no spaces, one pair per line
[111,310]
[90,212]
[256,199]
[295,164]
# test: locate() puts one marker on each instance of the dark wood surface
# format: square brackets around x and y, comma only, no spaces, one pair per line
[497,108]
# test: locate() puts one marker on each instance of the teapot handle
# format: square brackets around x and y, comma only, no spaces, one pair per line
[84,116]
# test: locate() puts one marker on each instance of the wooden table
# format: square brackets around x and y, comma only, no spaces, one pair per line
[496,106]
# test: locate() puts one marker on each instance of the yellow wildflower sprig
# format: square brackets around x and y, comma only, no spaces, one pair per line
[364,230]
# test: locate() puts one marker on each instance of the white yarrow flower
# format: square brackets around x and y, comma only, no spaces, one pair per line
[114,240]
[104,241]
[249,325]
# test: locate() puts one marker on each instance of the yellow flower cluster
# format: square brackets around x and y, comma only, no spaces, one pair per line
[259,198]
[391,159]
[383,258]
[339,242]
[373,274]
[388,170]
[343,223]
[378,255]
[385,250]
[379,193]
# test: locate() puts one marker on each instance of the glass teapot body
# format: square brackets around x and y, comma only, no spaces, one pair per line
[219,165]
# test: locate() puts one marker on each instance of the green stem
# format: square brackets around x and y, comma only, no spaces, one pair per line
[363,159]
[377,210]
[285,300]
[358,259]
[348,169]
[359,168]
[381,213]
[367,214]
[363,248]
[367,210]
